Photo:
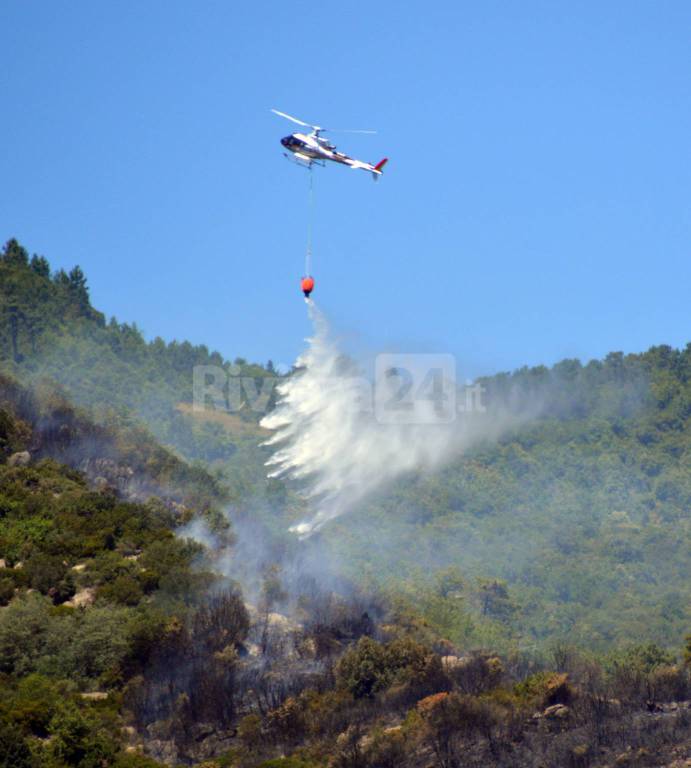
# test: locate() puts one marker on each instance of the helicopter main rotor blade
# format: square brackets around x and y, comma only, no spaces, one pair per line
[346,130]
[294,119]
[318,128]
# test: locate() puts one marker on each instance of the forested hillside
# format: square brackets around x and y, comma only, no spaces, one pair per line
[524,606]
[122,645]
[50,329]
[91,572]
[580,519]
[575,524]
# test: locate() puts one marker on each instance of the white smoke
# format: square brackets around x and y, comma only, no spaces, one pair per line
[326,434]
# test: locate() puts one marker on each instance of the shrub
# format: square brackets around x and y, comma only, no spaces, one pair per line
[124,590]
[101,641]
[477,673]
[14,752]
[287,722]
[451,718]
[633,672]
[34,703]
[669,683]
[24,626]
[50,576]
[328,712]
[387,749]
[371,667]
[221,621]
[250,731]
[545,688]
[77,739]
[6,590]
[364,669]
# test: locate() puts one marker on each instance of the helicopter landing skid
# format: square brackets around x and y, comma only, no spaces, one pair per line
[307,164]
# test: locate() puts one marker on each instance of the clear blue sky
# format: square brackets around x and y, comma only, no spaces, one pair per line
[536,204]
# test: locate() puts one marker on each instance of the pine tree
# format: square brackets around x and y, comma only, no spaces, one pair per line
[40,265]
[77,284]
[15,254]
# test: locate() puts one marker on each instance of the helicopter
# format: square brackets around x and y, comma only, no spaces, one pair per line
[310,148]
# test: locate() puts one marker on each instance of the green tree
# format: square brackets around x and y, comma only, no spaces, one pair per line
[14,752]
[40,266]
[14,254]
[78,289]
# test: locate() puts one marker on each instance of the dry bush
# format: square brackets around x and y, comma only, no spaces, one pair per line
[474,674]
[669,683]
[388,749]
[287,723]
[453,719]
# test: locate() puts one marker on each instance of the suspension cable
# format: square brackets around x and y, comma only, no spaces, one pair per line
[310,216]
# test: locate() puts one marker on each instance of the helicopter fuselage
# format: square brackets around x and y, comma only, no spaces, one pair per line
[303,145]
[311,148]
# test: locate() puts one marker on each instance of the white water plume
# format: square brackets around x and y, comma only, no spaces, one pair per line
[326,434]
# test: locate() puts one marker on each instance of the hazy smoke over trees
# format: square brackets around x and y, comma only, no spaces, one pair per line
[333,433]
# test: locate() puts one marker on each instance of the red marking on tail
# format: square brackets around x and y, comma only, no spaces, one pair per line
[381,164]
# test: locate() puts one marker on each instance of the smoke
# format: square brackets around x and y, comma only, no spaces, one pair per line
[329,436]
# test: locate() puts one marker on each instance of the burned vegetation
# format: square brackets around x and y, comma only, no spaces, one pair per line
[122,644]
[352,693]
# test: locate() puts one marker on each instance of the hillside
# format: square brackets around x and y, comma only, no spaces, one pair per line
[122,646]
[90,572]
[50,330]
[580,517]
[125,643]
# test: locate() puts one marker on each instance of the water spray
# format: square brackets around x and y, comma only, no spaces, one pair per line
[329,439]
